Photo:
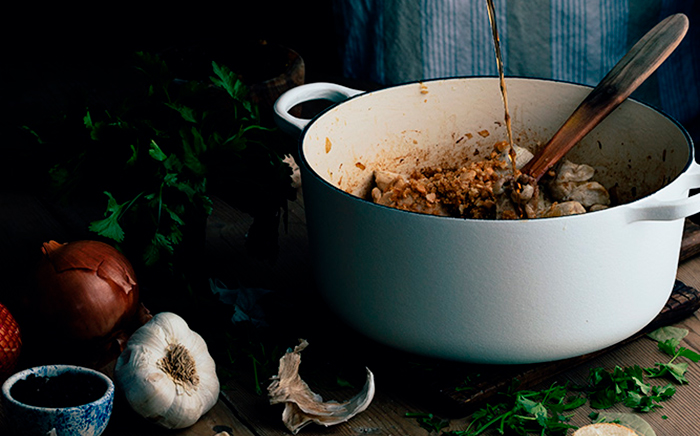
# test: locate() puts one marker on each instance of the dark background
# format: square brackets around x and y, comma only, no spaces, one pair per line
[105,32]
[48,49]
[48,52]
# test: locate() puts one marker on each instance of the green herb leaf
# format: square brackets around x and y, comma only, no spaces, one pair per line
[229,81]
[59,175]
[156,153]
[676,371]
[689,354]
[87,120]
[109,227]
[193,146]
[166,145]
[187,113]
[526,411]
[669,332]
[134,156]
[665,392]
[623,385]
[33,133]
[669,346]
[429,421]
[151,253]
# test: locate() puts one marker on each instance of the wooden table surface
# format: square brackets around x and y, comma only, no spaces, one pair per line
[242,411]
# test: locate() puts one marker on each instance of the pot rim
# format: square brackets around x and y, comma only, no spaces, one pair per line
[305,165]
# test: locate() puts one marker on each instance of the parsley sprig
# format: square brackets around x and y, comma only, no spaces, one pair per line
[548,411]
[527,411]
[156,152]
[627,386]
[669,339]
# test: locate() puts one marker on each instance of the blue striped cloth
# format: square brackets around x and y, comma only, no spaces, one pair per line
[397,41]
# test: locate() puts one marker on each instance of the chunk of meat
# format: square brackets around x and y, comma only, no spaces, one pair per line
[563,209]
[416,195]
[589,194]
[573,183]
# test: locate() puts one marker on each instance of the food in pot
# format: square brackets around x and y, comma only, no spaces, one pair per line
[489,189]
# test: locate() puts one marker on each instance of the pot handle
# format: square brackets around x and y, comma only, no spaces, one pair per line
[670,210]
[292,125]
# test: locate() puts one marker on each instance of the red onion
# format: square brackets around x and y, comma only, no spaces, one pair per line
[86,302]
[10,342]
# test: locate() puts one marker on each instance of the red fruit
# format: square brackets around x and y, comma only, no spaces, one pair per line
[10,342]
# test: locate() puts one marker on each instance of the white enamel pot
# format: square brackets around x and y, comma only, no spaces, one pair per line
[485,290]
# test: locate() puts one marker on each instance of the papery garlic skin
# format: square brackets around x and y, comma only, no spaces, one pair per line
[302,406]
[154,393]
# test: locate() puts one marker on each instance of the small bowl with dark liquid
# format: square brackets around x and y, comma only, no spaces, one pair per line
[58,399]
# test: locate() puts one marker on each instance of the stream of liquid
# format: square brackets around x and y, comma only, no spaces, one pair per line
[501,75]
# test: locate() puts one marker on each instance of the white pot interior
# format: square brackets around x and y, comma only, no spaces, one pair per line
[635,151]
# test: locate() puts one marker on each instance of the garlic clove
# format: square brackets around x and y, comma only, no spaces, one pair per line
[136,370]
[302,405]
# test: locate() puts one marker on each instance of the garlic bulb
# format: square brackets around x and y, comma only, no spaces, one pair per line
[167,373]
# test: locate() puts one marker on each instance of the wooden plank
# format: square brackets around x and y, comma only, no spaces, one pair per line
[220,418]
[679,415]
[125,421]
[690,245]
[386,414]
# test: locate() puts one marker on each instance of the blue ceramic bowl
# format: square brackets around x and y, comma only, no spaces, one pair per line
[37,401]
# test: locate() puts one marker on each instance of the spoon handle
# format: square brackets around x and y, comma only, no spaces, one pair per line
[630,72]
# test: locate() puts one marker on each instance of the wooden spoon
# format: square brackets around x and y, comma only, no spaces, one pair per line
[630,72]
